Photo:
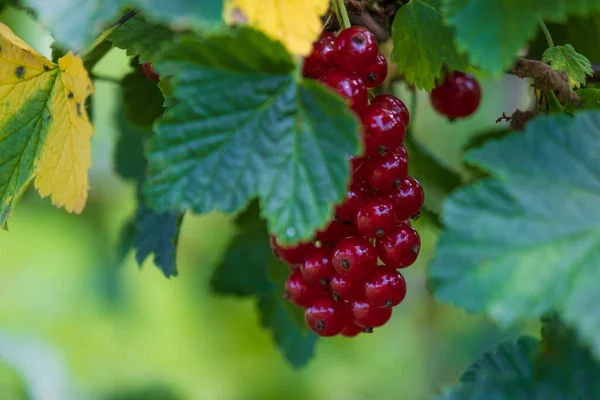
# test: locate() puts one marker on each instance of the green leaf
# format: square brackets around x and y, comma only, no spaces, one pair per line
[75,23]
[590,98]
[423,44]
[532,238]
[493,32]
[555,368]
[141,38]
[565,58]
[245,271]
[241,124]
[142,100]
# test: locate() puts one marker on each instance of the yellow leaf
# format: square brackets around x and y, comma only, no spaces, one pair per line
[296,24]
[44,129]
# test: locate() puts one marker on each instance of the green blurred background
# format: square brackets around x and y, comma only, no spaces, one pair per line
[74,324]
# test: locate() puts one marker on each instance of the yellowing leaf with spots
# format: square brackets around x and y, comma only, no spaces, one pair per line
[44,129]
[296,24]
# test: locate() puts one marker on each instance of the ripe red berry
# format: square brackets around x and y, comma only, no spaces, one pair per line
[376,72]
[343,288]
[326,317]
[300,292]
[348,85]
[395,104]
[149,72]
[356,49]
[407,198]
[384,130]
[376,218]
[351,329]
[317,268]
[291,255]
[386,287]
[368,315]
[458,96]
[358,169]
[387,172]
[321,58]
[356,195]
[354,257]
[400,248]
[336,231]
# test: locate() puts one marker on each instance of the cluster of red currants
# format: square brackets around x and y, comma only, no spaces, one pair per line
[337,278]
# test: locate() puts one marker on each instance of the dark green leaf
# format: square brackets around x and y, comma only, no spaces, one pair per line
[141,38]
[245,271]
[242,125]
[130,162]
[423,44]
[493,32]
[527,239]
[142,100]
[565,58]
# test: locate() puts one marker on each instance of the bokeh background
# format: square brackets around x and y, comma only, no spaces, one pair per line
[76,324]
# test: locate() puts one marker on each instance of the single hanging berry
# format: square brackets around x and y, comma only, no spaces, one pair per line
[300,292]
[291,255]
[383,129]
[376,72]
[351,329]
[395,104]
[149,72]
[326,317]
[321,59]
[356,49]
[376,218]
[387,172]
[317,268]
[345,289]
[407,198]
[386,287]
[354,258]
[348,85]
[458,96]
[400,248]
[368,315]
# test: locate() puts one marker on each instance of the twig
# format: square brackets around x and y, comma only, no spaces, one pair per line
[107,33]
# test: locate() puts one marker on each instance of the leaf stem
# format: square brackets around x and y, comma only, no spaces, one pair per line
[107,33]
[546,33]
[341,13]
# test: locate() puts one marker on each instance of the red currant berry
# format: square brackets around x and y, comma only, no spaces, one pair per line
[351,329]
[345,289]
[356,49]
[395,104]
[386,287]
[326,317]
[321,58]
[388,171]
[300,292]
[407,198]
[368,315]
[348,85]
[149,72]
[336,231]
[291,255]
[400,248]
[317,268]
[354,257]
[384,131]
[376,72]
[356,195]
[458,96]
[376,218]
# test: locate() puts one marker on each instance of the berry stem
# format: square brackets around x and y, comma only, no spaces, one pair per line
[546,33]
[341,13]
[107,33]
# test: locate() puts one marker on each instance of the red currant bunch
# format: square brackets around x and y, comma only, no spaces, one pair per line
[347,278]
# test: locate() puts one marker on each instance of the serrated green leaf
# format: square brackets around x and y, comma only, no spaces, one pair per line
[242,125]
[142,100]
[423,44]
[245,271]
[493,32]
[565,58]
[141,38]
[75,23]
[532,238]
